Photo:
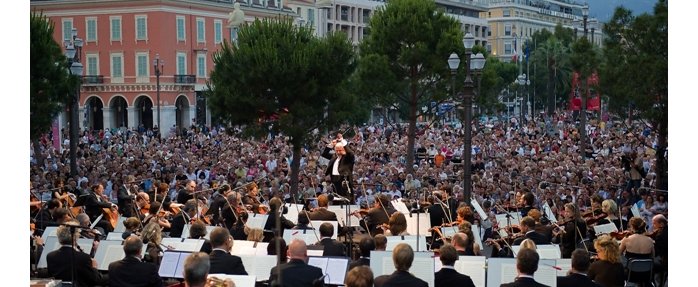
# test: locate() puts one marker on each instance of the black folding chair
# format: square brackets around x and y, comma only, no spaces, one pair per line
[640,267]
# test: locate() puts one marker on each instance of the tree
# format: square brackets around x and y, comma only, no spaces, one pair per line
[404,59]
[496,75]
[281,77]
[49,80]
[634,46]
[552,54]
[584,61]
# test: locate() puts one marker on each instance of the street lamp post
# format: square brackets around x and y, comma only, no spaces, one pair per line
[453,63]
[583,108]
[73,49]
[521,80]
[158,66]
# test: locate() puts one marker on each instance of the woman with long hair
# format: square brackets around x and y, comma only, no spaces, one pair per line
[607,270]
[152,234]
[573,232]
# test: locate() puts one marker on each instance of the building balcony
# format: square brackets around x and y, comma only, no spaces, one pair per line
[92,80]
[185,79]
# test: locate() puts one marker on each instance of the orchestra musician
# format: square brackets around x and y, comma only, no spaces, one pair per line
[610,208]
[661,233]
[377,215]
[321,212]
[125,196]
[94,204]
[573,232]
[545,230]
[341,166]
[638,246]
[184,217]
[528,225]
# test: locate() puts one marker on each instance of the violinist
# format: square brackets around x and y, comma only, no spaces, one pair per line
[397,225]
[159,215]
[125,196]
[218,202]
[638,246]
[184,217]
[187,192]
[571,231]
[660,233]
[61,193]
[142,205]
[438,215]
[545,230]
[95,202]
[471,246]
[528,225]
[46,215]
[610,208]
[377,215]
[527,201]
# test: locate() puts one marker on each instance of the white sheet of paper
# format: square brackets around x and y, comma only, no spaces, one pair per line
[409,239]
[120,224]
[308,236]
[423,223]
[473,266]
[565,266]
[261,248]
[108,252]
[257,221]
[179,272]
[116,236]
[50,245]
[549,213]
[336,270]
[400,206]
[315,252]
[479,209]
[605,228]
[168,264]
[508,272]
[239,280]
[423,266]
[478,238]
[502,219]
[293,210]
[243,247]
[49,231]
[635,210]
[341,213]
[263,266]
[184,244]
[86,245]
[546,273]
[549,251]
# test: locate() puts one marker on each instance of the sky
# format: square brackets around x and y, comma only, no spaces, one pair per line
[603,9]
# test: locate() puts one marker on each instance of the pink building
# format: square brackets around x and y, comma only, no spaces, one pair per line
[125,39]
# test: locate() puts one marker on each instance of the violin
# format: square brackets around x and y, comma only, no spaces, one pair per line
[652,234]
[619,235]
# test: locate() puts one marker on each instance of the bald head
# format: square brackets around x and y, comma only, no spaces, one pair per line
[297,250]
[133,246]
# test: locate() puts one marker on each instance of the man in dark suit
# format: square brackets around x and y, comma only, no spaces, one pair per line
[341,166]
[438,215]
[577,276]
[94,204]
[222,262]
[331,246]
[121,273]
[187,192]
[296,273]
[59,262]
[528,226]
[182,218]
[125,196]
[379,214]
[365,246]
[526,265]
[402,259]
[321,213]
[448,276]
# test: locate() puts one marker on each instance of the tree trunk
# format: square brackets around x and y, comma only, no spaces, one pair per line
[38,156]
[412,130]
[662,163]
[551,93]
[295,167]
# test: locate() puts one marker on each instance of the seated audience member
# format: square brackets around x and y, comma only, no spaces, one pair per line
[448,276]
[121,273]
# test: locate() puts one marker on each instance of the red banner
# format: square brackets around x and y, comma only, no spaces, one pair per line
[593,103]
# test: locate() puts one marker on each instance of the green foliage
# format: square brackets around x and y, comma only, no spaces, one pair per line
[551,70]
[281,76]
[496,76]
[49,78]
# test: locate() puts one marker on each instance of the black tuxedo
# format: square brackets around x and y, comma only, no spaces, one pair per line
[183,196]
[58,263]
[121,273]
[538,239]
[523,282]
[377,216]
[125,202]
[177,226]
[224,263]
[295,273]
[576,280]
[93,209]
[332,247]
[345,169]
[323,214]
[404,279]
[447,277]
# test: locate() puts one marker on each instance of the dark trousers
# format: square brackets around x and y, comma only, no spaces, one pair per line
[341,187]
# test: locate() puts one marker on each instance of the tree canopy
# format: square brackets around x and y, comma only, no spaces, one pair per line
[281,77]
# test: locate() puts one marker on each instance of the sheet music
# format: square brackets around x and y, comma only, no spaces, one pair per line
[409,239]
[548,251]
[239,280]
[86,245]
[49,231]
[179,272]
[316,224]
[292,213]
[108,252]
[257,221]
[341,213]
[308,236]
[605,228]
[336,270]
[400,206]
[508,272]
[261,248]
[546,273]
[263,266]
[184,244]
[473,266]
[478,238]
[449,231]
[315,252]
[424,223]
[549,213]
[119,224]
[243,247]
[437,264]
[387,265]
[565,266]
[423,266]
[502,219]
[168,264]
[479,210]
[635,210]
[116,236]
[185,231]
[50,244]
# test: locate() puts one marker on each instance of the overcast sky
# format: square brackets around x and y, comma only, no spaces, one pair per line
[603,9]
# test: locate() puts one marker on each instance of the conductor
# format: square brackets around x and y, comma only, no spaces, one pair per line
[341,166]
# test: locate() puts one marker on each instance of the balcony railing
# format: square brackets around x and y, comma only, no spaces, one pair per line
[98,79]
[185,79]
